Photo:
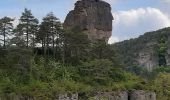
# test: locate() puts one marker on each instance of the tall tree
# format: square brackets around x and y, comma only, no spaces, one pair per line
[49,32]
[6,28]
[27,27]
[75,46]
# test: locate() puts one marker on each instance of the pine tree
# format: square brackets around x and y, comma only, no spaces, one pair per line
[6,28]
[27,27]
[75,46]
[49,32]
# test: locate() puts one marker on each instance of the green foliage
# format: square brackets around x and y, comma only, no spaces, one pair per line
[37,80]
[75,48]
[6,28]
[27,27]
[17,63]
[128,50]
[162,48]
[162,69]
[161,86]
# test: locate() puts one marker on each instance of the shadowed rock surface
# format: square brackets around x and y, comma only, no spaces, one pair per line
[93,17]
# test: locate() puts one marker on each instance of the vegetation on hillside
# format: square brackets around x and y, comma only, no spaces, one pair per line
[41,60]
[157,41]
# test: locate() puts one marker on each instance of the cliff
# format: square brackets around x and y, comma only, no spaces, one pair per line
[93,17]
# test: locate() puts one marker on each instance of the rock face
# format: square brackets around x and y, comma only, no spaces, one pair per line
[125,95]
[148,57]
[117,95]
[142,95]
[66,97]
[93,17]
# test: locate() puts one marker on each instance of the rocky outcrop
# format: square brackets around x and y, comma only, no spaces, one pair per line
[125,95]
[142,95]
[148,57]
[67,97]
[93,17]
[119,95]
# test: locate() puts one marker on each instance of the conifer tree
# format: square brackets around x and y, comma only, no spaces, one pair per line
[27,27]
[6,28]
[49,32]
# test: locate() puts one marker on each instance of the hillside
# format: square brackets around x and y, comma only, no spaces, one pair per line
[149,50]
[44,59]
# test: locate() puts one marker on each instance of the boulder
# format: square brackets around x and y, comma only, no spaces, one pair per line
[121,95]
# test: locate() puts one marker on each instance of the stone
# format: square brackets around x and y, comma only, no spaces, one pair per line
[67,97]
[93,17]
[115,95]
[148,59]
[142,95]
[125,95]
[121,95]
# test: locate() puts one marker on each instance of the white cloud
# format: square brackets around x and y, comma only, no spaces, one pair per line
[132,23]
[113,40]
[16,21]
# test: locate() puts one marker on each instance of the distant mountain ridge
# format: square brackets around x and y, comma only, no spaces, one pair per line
[149,50]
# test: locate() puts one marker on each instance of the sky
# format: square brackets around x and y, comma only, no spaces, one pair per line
[132,18]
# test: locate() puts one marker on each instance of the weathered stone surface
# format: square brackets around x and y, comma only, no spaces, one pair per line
[116,95]
[123,95]
[142,95]
[66,97]
[91,16]
[148,58]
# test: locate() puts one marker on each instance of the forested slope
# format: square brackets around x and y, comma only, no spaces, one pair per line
[149,50]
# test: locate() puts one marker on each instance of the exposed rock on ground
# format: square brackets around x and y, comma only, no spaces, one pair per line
[119,95]
[125,95]
[67,97]
[142,95]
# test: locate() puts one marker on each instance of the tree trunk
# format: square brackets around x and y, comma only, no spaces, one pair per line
[53,47]
[27,37]
[27,32]
[4,38]
[45,53]
[33,41]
